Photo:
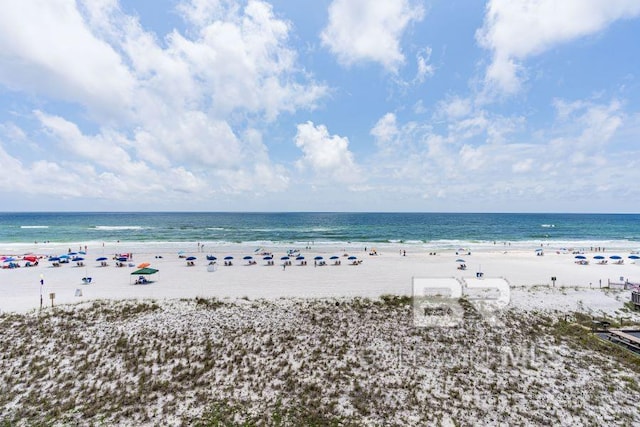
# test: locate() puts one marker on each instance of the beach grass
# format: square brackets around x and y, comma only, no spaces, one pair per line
[296,361]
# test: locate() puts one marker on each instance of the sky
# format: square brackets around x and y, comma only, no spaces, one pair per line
[326,105]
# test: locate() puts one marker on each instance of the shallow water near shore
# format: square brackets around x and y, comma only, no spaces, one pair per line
[435,230]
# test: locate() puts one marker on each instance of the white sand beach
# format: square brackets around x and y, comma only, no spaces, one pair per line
[388,272]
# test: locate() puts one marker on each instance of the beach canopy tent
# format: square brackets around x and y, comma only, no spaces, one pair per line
[145,271]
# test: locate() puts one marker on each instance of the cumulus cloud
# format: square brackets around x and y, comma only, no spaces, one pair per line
[63,58]
[327,155]
[365,31]
[174,114]
[516,30]
[385,130]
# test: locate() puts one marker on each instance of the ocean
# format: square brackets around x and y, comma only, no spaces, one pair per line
[433,230]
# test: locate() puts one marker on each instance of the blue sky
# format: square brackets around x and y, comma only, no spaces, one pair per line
[332,105]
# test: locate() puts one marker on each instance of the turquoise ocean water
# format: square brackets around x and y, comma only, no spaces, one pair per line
[434,230]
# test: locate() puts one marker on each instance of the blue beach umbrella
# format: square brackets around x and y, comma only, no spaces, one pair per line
[460,260]
[580,257]
[102,258]
[267,258]
[122,259]
[284,258]
[318,258]
[78,258]
[248,257]
[211,258]
[634,257]
[191,258]
[54,259]
[335,257]
[615,257]
[65,256]
[227,258]
[598,257]
[9,259]
[73,253]
[299,258]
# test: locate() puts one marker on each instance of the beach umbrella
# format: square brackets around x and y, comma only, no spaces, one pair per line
[615,257]
[227,258]
[539,250]
[299,258]
[248,257]
[65,256]
[598,257]
[191,258]
[54,259]
[73,253]
[352,257]
[267,258]
[284,258]
[9,259]
[211,258]
[82,252]
[335,257]
[318,258]
[460,260]
[78,258]
[634,257]
[580,257]
[122,259]
[30,258]
[102,258]
[143,265]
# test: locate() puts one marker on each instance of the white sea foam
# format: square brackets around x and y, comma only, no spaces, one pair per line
[34,226]
[117,227]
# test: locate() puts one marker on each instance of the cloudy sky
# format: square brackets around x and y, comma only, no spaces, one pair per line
[327,105]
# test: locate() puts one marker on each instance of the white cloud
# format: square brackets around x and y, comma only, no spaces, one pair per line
[425,69]
[173,116]
[327,155]
[516,30]
[385,130]
[365,31]
[61,58]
